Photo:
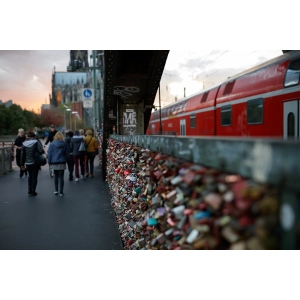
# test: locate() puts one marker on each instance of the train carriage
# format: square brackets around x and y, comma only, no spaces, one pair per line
[262,101]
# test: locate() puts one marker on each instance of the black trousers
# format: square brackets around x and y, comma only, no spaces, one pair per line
[59,176]
[90,157]
[70,162]
[33,171]
[18,161]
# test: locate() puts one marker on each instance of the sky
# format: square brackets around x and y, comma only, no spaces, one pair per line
[25,75]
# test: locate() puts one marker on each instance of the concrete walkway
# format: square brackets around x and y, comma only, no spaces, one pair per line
[83,219]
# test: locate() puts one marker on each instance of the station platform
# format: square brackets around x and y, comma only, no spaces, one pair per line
[83,219]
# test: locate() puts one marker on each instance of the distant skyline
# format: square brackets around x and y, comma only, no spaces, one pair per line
[25,75]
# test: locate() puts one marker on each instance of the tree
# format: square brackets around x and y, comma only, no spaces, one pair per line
[51,116]
[14,117]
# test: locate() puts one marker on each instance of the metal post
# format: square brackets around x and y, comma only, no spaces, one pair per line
[160,125]
[71,120]
[118,118]
[65,123]
[94,84]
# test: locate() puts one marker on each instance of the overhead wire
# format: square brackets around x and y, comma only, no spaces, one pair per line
[221,69]
[211,63]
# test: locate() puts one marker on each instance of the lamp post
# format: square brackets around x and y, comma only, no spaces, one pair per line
[75,113]
[66,108]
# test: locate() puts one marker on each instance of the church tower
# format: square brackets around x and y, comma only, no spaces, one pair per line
[79,59]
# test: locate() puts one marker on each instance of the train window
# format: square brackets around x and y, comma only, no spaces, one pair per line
[193,121]
[228,88]
[179,108]
[185,104]
[292,74]
[226,115]
[169,111]
[255,111]
[204,97]
[291,125]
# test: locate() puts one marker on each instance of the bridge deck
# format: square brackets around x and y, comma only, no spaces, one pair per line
[83,219]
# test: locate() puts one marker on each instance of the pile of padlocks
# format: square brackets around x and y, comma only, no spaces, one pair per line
[162,202]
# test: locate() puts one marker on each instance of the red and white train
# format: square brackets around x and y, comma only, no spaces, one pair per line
[261,102]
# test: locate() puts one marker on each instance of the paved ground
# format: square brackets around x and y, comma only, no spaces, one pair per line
[81,220]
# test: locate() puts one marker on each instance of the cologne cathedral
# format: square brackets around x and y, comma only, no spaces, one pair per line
[67,86]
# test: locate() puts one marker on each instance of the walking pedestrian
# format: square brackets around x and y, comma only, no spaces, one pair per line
[78,157]
[58,154]
[91,152]
[18,146]
[28,151]
[51,135]
[70,160]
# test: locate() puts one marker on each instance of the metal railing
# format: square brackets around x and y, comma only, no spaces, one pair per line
[6,151]
[5,160]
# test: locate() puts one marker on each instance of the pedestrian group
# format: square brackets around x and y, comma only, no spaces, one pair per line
[61,152]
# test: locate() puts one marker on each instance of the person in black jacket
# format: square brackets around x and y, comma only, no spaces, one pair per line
[51,135]
[70,160]
[28,151]
[18,145]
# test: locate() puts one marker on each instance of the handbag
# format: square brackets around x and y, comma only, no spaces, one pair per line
[40,159]
[82,147]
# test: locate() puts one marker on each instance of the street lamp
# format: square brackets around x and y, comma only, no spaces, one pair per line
[75,113]
[66,109]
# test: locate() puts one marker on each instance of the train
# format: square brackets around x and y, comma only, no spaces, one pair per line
[260,102]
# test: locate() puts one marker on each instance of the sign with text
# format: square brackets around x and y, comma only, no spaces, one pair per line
[87,98]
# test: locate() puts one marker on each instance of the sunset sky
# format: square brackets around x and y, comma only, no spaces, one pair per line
[25,75]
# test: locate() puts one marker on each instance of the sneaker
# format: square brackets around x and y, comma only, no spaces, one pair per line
[81,176]
[34,194]
[91,175]
[77,179]
[86,175]
[55,193]
[23,176]
[61,194]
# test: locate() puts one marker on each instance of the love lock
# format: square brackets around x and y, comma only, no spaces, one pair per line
[133,178]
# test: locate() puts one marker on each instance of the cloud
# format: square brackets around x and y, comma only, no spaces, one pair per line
[28,70]
[197,70]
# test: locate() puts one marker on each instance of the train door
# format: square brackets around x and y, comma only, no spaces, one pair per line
[182,127]
[291,112]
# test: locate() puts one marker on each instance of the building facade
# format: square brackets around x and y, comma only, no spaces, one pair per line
[67,86]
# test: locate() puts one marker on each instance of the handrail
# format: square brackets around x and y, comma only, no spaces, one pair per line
[5,160]
[272,161]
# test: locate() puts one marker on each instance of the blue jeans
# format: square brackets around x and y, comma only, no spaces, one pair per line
[59,176]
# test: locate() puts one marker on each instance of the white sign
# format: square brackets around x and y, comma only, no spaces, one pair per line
[88,104]
[87,94]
